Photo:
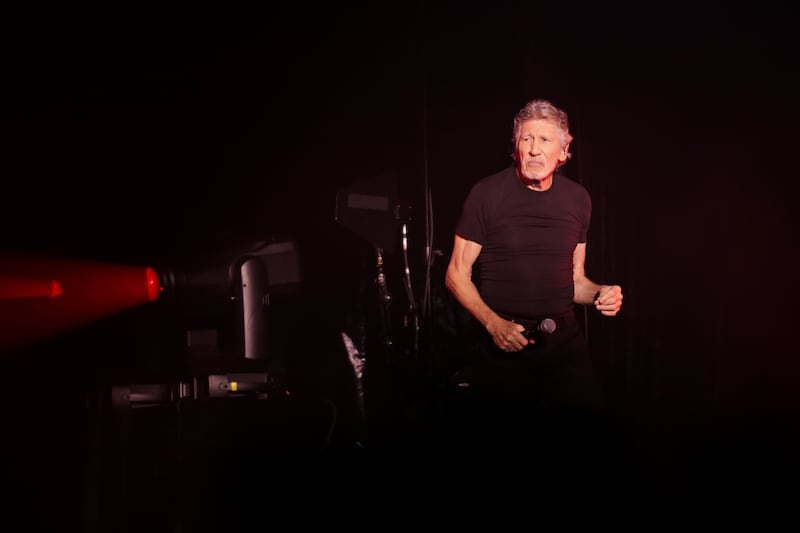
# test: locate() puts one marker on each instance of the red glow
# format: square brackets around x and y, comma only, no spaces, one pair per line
[55,289]
[16,288]
[42,296]
[153,284]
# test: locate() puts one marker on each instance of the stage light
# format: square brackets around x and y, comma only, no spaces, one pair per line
[218,300]
[223,297]
[43,296]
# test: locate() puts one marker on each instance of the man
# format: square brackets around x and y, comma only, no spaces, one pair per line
[524,232]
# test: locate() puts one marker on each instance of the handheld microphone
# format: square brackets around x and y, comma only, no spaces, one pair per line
[548,325]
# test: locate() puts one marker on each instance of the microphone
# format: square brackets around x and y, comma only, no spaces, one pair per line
[548,326]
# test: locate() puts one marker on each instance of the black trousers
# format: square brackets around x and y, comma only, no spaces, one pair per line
[545,398]
[536,420]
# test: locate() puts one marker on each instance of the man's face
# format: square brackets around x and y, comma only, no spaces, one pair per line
[539,150]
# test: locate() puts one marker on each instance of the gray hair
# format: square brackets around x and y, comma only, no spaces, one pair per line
[543,110]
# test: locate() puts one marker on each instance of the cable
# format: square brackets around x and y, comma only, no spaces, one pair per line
[409,291]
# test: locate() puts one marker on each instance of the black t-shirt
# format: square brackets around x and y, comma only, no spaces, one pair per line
[528,238]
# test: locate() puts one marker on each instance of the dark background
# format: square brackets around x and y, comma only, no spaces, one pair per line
[146,136]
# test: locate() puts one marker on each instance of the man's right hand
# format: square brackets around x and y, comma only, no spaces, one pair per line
[507,335]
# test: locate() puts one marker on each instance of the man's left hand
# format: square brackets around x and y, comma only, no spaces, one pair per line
[609,299]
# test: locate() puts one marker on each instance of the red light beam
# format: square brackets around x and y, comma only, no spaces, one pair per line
[44,296]
[15,288]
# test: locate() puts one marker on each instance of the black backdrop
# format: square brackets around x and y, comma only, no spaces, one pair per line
[135,137]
